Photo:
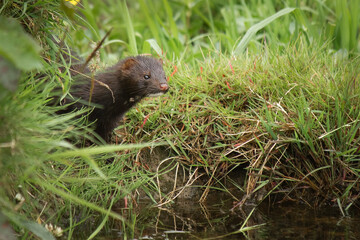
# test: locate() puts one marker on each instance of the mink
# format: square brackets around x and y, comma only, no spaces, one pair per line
[116,90]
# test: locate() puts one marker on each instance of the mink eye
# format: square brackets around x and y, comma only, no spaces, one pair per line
[146,76]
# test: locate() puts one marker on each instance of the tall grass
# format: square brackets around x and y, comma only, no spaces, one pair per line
[45,178]
[184,29]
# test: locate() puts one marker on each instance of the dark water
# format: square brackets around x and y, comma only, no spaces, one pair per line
[215,220]
[296,221]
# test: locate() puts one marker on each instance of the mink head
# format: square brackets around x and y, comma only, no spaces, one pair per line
[144,77]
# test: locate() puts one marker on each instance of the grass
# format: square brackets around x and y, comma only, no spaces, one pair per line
[282,103]
[290,117]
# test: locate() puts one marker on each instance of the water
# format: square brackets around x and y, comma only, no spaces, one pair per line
[296,221]
[215,220]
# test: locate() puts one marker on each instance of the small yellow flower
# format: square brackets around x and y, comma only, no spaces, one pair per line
[73,2]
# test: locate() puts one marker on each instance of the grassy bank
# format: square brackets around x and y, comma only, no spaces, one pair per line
[290,118]
[283,106]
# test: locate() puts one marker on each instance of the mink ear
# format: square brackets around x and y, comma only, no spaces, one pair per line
[128,64]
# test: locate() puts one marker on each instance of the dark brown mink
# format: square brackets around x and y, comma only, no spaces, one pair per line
[117,89]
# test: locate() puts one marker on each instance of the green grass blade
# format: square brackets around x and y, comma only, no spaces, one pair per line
[169,12]
[101,149]
[80,201]
[211,19]
[102,224]
[255,28]
[155,46]
[129,28]
[150,20]
[32,226]
[354,23]
[344,22]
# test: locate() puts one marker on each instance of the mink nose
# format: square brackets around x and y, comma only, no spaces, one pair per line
[164,87]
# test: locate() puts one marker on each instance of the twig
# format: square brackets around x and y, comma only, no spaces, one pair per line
[92,54]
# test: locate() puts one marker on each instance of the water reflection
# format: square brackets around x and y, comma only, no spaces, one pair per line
[189,220]
[295,221]
[215,220]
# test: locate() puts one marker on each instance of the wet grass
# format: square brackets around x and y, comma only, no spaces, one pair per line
[283,104]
